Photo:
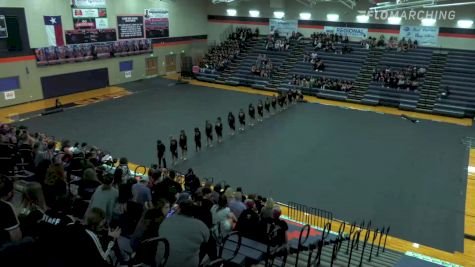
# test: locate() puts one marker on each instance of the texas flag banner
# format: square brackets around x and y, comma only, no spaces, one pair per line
[54,30]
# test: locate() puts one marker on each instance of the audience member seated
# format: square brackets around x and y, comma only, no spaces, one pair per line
[274,44]
[319,65]
[263,66]
[407,78]
[123,212]
[321,83]
[326,41]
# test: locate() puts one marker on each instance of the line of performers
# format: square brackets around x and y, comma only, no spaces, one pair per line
[283,99]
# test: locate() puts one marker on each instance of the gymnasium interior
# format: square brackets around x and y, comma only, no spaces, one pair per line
[237,133]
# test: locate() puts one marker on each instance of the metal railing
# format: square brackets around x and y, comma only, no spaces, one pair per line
[308,215]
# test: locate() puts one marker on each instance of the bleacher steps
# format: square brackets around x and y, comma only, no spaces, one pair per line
[364,77]
[430,90]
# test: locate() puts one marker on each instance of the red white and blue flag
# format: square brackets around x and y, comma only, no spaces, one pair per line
[54,30]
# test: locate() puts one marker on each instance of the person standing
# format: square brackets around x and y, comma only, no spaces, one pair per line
[218,127]
[232,123]
[209,134]
[197,139]
[260,110]
[161,154]
[252,114]
[274,104]
[242,120]
[183,144]
[174,149]
[267,105]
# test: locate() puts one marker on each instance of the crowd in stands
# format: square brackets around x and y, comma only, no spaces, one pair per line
[407,78]
[74,210]
[401,46]
[220,56]
[277,44]
[321,83]
[327,41]
[263,67]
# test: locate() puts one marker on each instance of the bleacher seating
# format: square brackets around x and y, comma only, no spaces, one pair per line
[458,78]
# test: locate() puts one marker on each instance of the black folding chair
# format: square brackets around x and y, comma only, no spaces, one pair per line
[222,260]
[147,251]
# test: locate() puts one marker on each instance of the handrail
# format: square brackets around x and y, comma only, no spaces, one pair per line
[386,237]
[320,243]
[309,215]
[375,235]
[356,240]
[165,242]
[306,229]
[352,230]
[366,238]
[379,242]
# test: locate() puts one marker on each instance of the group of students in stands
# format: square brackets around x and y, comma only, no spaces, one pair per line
[402,45]
[277,44]
[407,78]
[321,83]
[263,67]
[75,211]
[220,56]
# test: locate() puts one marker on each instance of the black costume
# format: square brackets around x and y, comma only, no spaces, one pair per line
[161,154]
[274,103]
[218,127]
[252,112]
[209,131]
[183,142]
[232,122]
[198,139]
[267,105]
[242,119]
[174,147]
[260,109]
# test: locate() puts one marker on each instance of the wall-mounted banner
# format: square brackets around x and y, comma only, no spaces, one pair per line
[425,35]
[90,18]
[88,3]
[347,31]
[9,95]
[156,23]
[283,27]
[3,27]
[130,26]
[90,36]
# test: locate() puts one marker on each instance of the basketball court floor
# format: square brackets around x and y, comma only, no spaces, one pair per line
[359,165]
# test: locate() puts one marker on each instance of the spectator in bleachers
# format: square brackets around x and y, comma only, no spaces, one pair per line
[263,66]
[31,210]
[235,204]
[150,221]
[185,235]
[407,78]
[274,44]
[9,223]
[105,198]
[223,218]
[321,83]
[247,221]
[54,184]
[319,65]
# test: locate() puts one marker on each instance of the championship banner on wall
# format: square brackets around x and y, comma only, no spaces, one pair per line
[90,18]
[283,27]
[130,26]
[156,23]
[88,3]
[90,36]
[347,31]
[3,27]
[425,35]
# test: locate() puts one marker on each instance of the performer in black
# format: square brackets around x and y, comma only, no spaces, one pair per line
[242,120]
[232,123]
[290,97]
[260,110]
[252,114]
[280,99]
[197,139]
[174,149]
[274,104]
[209,134]
[218,127]
[267,105]
[161,154]
[183,144]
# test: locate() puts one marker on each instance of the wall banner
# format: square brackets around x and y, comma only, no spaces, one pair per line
[88,3]
[90,18]
[130,26]
[425,35]
[347,31]
[3,27]
[283,27]
[156,23]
